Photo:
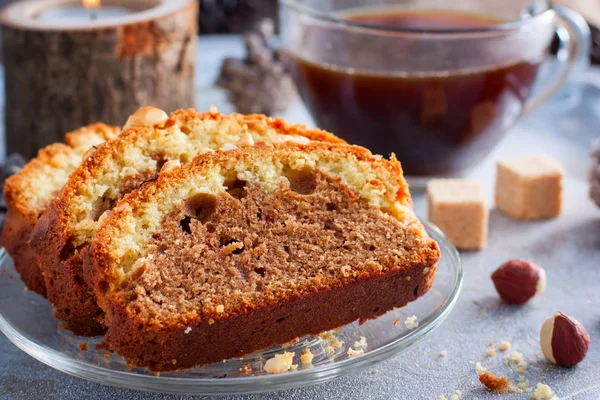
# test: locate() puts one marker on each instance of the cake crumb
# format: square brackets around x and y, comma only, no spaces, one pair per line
[187,330]
[411,322]
[491,352]
[397,321]
[442,397]
[479,368]
[355,353]
[325,335]
[504,345]
[106,355]
[280,363]
[174,361]
[336,343]
[543,392]
[443,353]
[83,346]
[306,357]
[454,397]
[129,365]
[245,370]
[494,383]
[211,321]
[458,392]
[361,344]
[220,308]
[491,344]
[329,350]
[517,358]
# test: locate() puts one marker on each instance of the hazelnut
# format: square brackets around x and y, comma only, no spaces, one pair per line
[564,340]
[146,116]
[517,281]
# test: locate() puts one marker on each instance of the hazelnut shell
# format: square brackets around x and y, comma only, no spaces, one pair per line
[517,281]
[564,340]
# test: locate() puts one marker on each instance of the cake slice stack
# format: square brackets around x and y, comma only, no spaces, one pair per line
[153,142]
[195,238]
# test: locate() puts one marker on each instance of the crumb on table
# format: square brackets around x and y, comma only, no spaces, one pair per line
[543,392]
[494,383]
[83,346]
[504,345]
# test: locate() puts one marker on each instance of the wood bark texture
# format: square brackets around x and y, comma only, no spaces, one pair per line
[57,81]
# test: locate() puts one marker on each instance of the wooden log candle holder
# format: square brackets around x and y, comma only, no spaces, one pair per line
[67,66]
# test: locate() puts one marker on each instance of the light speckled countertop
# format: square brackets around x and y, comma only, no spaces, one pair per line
[568,247]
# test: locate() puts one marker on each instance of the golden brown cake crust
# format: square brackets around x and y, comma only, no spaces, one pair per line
[65,229]
[155,332]
[28,192]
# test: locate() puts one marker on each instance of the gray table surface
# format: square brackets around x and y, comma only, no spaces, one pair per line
[568,247]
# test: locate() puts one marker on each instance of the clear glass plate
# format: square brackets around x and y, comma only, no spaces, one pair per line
[27,320]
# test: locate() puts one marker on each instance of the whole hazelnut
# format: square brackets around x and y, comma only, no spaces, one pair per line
[517,281]
[564,340]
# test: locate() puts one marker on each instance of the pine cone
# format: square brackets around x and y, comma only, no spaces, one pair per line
[595,173]
[260,83]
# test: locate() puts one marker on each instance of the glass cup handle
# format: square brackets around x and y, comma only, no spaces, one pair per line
[575,40]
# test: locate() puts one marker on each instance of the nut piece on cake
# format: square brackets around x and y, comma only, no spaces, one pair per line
[529,187]
[458,208]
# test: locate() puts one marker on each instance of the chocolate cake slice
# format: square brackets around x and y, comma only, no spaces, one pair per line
[62,235]
[243,249]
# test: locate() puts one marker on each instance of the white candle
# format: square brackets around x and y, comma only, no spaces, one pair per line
[75,15]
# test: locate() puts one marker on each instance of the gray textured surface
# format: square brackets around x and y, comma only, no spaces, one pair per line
[569,248]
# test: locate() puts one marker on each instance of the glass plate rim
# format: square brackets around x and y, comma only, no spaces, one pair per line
[239,385]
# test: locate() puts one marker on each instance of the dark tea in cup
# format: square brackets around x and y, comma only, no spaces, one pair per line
[439,88]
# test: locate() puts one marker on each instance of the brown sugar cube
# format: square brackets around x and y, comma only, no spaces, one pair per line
[458,208]
[529,187]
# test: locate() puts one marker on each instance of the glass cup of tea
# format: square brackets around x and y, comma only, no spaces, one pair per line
[438,83]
